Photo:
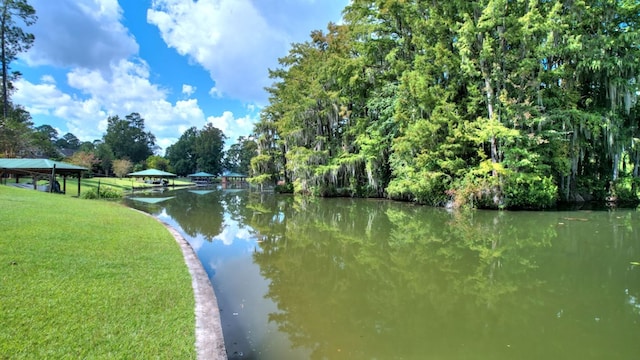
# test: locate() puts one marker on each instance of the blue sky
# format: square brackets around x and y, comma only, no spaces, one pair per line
[179,63]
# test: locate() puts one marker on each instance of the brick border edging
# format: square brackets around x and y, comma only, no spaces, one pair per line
[209,339]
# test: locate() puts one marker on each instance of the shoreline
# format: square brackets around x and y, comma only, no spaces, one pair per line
[208,330]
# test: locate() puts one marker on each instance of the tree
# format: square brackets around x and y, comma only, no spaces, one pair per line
[157,162]
[68,141]
[121,167]
[16,133]
[182,155]
[13,39]
[84,159]
[209,149]
[238,157]
[490,103]
[127,138]
[104,155]
[43,139]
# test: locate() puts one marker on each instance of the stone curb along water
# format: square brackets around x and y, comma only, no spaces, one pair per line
[209,337]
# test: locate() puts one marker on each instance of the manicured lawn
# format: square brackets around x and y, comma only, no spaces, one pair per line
[89,279]
[123,185]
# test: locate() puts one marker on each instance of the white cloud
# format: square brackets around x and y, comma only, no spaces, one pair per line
[129,90]
[229,38]
[93,68]
[231,126]
[48,79]
[79,33]
[188,89]
[215,93]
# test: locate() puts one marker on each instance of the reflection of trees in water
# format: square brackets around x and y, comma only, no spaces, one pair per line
[387,280]
[197,213]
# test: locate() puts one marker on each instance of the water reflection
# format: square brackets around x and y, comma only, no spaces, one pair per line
[368,279]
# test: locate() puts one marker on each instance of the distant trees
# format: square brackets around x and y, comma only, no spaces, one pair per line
[209,149]
[198,150]
[68,141]
[158,162]
[182,154]
[128,139]
[238,156]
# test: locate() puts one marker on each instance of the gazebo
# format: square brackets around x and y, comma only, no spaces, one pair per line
[229,176]
[41,169]
[201,178]
[152,173]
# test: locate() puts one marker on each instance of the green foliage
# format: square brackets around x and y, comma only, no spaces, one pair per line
[198,150]
[423,187]
[106,192]
[209,149]
[284,188]
[238,157]
[127,138]
[489,104]
[526,191]
[157,162]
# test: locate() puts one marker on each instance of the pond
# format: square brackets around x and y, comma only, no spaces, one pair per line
[303,278]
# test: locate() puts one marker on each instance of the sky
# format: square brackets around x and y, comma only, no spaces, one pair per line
[178,63]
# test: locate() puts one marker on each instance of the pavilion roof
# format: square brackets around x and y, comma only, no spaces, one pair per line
[151,173]
[201,174]
[39,166]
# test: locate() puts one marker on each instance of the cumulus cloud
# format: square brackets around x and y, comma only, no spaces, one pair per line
[229,38]
[93,69]
[129,90]
[79,33]
[188,90]
[231,126]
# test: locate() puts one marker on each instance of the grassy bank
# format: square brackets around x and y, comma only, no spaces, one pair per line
[124,185]
[89,279]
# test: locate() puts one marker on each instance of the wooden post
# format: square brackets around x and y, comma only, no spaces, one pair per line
[79,180]
[53,178]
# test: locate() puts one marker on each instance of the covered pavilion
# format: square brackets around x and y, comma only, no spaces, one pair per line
[39,169]
[153,174]
[201,178]
[229,176]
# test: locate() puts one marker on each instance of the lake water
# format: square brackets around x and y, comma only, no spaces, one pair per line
[372,279]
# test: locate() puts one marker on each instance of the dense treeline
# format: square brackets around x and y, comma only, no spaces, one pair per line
[495,103]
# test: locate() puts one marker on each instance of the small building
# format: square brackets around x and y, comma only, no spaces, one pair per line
[201,178]
[229,176]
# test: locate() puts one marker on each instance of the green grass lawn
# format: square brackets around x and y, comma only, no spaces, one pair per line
[123,185]
[89,279]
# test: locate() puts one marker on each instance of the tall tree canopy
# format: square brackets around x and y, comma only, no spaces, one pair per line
[198,150]
[128,139]
[490,103]
[182,154]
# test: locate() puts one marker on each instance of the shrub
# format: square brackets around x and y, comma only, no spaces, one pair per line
[106,192]
[529,191]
